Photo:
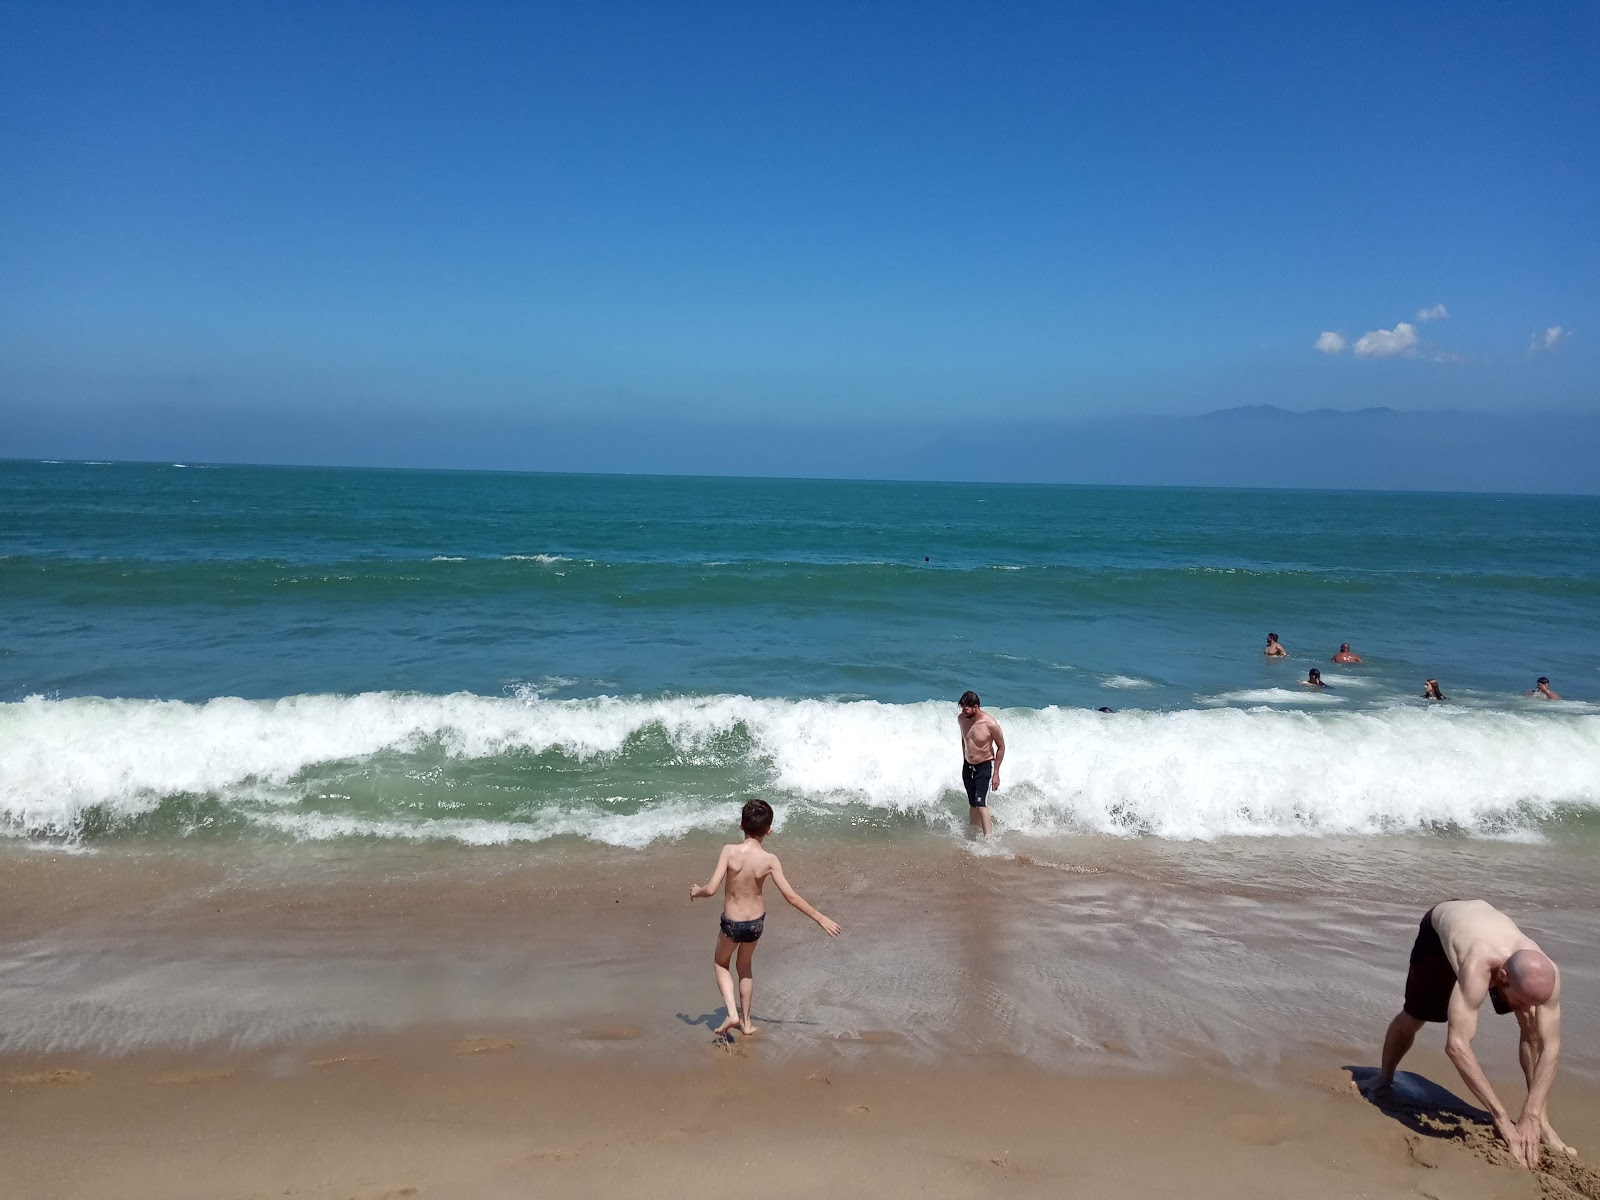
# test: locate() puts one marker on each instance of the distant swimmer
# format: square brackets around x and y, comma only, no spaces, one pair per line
[1344,655]
[1275,647]
[983,748]
[1313,679]
[1105,710]
[1541,687]
[1467,951]
[745,866]
[1430,690]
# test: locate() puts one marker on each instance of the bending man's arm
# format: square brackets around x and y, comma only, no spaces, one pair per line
[1542,1032]
[999,755]
[1465,999]
[831,928]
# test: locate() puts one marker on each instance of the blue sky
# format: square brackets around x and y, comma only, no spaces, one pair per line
[832,213]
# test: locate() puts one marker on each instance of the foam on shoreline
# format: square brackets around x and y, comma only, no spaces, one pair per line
[630,770]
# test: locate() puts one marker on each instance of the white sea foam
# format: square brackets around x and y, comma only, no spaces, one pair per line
[447,558]
[1273,696]
[1124,682]
[1345,681]
[1188,774]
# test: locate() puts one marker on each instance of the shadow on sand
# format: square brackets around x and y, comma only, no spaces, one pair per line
[712,1019]
[1421,1105]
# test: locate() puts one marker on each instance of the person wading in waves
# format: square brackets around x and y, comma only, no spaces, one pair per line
[983,748]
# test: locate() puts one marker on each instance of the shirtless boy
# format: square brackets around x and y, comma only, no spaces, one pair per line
[745,866]
[1542,688]
[983,747]
[1468,951]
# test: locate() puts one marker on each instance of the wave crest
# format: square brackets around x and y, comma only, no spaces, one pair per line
[628,770]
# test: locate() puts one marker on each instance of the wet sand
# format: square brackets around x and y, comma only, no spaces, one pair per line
[1111,1018]
[433,1114]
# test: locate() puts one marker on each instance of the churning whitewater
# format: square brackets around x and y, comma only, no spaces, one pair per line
[631,770]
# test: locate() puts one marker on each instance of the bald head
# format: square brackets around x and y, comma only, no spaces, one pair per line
[1531,976]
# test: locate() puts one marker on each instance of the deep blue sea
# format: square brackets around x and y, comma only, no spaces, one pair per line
[196,652]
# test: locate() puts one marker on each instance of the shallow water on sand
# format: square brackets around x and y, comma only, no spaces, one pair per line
[1080,952]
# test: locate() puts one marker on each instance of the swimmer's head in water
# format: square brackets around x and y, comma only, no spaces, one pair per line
[969,700]
[1344,647]
[1315,676]
[1542,681]
[1272,637]
[756,819]
[1527,980]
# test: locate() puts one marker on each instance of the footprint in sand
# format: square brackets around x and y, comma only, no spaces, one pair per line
[180,1078]
[484,1046]
[609,1033]
[549,1156]
[857,1110]
[344,1060]
[873,1037]
[61,1075]
[1253,1129]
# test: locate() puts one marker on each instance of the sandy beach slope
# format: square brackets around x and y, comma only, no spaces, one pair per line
[431,1115]
[478,1024]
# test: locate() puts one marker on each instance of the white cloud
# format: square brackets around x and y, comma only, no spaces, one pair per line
[1330,342]
[1387,343]
[1436,312]
[1548,340]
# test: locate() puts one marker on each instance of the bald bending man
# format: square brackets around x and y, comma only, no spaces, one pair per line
[1467,951]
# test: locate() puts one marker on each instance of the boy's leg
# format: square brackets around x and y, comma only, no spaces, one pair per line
[747,984]
[721,959]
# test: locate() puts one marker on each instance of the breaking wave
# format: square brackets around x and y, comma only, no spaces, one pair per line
[632,770]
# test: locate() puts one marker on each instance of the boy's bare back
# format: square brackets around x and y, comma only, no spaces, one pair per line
[747,865]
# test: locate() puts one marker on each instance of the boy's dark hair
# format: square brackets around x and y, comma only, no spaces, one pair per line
[756,819]
[969,700]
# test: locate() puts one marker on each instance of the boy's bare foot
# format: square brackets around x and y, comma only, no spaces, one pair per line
[729,1023]
[748,1029]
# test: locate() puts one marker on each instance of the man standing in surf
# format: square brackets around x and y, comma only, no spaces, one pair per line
[983,747]
[1466,952]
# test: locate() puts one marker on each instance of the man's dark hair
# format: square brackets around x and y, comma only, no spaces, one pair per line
[969,700]
[756,819]
[1544,679]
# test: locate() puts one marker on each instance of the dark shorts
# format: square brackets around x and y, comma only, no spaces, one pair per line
[743,931]
[975,777]
[1431,978]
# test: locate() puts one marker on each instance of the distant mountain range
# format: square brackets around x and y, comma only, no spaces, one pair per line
[1271,412]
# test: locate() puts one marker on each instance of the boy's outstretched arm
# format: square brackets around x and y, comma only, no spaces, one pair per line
[697,890]
[831,928]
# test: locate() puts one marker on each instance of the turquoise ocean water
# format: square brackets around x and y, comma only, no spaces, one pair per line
[242,652]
